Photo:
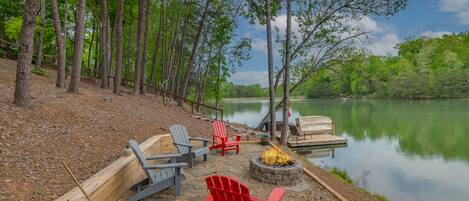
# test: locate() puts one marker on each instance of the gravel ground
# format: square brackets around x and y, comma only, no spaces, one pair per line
[237,165]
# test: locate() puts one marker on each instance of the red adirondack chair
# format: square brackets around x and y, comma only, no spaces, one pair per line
[223,188]
[220,138]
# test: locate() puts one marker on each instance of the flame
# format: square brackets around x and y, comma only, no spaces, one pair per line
[274,157]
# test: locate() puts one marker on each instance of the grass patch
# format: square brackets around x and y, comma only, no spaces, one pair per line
[39,71]
[380,197]
[341,173]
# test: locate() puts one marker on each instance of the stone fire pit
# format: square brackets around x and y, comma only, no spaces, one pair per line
[275,174]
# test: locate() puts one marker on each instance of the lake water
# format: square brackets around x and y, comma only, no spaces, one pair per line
[406,150]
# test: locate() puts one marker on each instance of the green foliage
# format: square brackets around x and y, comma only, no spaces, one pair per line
[13,28]
[264,136]
[244,91]
[381,197]
[341,173]
[423,68]
[39,71]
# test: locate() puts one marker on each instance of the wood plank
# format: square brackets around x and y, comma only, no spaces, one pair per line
[315,140]
[115,180]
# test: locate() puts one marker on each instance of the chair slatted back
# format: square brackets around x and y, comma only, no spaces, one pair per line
[294,129]
[180,134]
[223,188]
[219,132]
[141,158]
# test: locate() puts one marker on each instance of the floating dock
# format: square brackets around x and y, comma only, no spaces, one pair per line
[313,131]
[317,140]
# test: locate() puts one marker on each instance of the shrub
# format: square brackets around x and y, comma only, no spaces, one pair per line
[39,71]
[341,173]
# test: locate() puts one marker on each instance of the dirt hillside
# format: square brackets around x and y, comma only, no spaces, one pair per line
[88,131]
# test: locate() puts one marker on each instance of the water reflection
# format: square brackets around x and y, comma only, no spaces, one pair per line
[407,150]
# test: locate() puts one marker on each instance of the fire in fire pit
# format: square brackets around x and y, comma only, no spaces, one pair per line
[274,157]
[275,167]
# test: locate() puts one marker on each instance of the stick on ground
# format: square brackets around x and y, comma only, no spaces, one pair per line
[76,181]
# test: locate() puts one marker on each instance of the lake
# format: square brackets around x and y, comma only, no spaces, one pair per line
[409,150]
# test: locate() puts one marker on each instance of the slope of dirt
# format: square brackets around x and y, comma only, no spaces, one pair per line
[87,131]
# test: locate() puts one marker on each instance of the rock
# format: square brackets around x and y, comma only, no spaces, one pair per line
[108,99]
[127,152]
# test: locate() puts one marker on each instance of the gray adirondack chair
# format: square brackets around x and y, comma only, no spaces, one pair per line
[182,141]
[168,175]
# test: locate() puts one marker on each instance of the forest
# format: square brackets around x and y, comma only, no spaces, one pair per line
[423,68]
[184,47]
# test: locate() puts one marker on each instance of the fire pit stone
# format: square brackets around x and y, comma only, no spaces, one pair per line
[286,174]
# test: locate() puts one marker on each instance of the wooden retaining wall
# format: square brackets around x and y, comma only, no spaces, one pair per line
[115,180]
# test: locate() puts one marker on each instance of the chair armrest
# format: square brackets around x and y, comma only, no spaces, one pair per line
[238,136]
[164,156]
[199,139]
[183,144]
[164,166]
[276,195]
[234,134]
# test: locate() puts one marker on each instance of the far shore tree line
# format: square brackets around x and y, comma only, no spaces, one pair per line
[423,68]
[186,47]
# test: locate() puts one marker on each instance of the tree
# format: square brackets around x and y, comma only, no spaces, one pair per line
[194,50]
[270,64]
[40,45]
[60,46]
[143,89]
[286,79]
[105,46]
[325,34]
[142,4]
[119,35]
[78,49]
[23,72]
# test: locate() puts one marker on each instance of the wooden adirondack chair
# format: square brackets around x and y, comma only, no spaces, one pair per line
[182,141]
[168,175]
[220,139]
[223,188]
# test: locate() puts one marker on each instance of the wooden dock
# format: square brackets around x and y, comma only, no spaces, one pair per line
[313,131]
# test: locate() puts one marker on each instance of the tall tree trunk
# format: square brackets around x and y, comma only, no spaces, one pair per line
[59,45]
[286,80]
[78,49]
[140,36]
[40,46]
[104,43]
[119,36]
[143,89]
[194,50]
[96,55]
[180,56]
[129,47]
[217,97]
[111,41]
[271,71]
[65,34]
[90,47]
[173,48]
[23,71]
[155,53]
[200,95]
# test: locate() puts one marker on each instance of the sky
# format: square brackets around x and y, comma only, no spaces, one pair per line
[429,18]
